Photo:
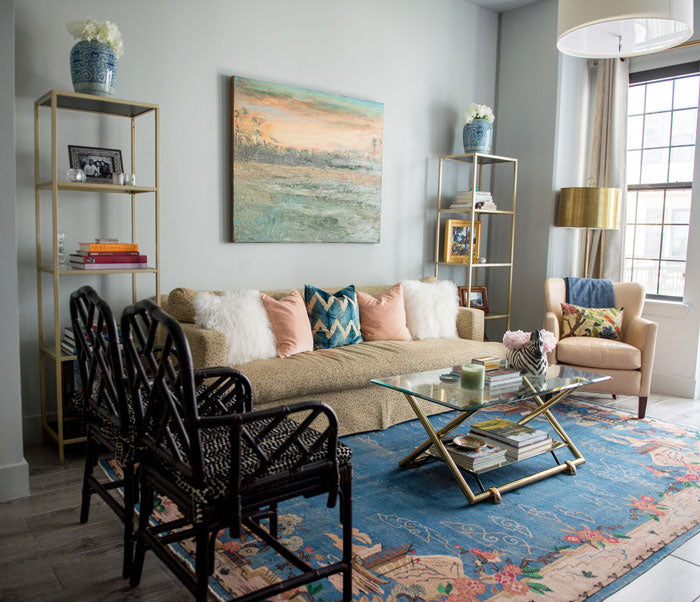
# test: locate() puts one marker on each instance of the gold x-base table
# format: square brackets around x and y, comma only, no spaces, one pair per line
[493,493]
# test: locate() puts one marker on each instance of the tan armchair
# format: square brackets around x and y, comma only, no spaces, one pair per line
[629,361]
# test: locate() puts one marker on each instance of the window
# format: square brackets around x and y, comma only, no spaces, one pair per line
[662,108]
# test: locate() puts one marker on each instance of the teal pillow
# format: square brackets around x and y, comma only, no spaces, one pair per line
[335,319]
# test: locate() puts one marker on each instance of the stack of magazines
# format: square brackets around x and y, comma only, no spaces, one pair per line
[518,441]
[502,377]
[485,457]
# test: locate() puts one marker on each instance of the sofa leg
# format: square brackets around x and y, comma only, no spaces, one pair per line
[614,395]
[642,407]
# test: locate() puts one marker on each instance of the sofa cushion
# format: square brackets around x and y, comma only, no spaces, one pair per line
[431,308]
[290,323]
[590,352]
[383,318]
[353,366]
[334,317]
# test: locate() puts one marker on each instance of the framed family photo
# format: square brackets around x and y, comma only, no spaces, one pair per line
[460,241]
[99,164]
[478,298]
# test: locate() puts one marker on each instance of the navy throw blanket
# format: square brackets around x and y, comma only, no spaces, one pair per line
[590,292]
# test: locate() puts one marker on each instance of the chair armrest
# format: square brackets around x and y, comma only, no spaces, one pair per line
[208,347]
[551,323]
[470,324]
[221,391]
[641,333]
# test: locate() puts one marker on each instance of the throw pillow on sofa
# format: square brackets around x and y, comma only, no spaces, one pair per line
[383,318]
[290,324]
[335,318]
[240,315]
[600,322]
[431,308]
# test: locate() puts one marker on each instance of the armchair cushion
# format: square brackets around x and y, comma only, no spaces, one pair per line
[216,453]
[590,352]
[605,323]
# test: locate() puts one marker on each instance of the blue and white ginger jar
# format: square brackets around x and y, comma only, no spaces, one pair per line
[478,136]
[93,68]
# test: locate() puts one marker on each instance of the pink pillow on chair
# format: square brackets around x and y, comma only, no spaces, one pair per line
[290,324]
[383,318]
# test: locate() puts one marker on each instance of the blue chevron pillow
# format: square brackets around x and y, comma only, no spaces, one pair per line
[335,318]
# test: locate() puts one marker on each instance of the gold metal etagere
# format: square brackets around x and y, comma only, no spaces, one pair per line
[56,100]
[477,162]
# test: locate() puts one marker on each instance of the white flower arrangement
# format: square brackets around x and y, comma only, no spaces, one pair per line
[475,111]
[101,31]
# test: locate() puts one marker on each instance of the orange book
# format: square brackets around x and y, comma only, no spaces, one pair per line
[106,247]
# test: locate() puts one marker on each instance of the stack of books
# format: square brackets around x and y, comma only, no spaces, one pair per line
[68,342]
[108,254]
[480,459]
[518,441]
[481,199]
[502,377]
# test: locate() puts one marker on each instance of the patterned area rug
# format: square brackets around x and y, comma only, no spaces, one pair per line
[564,538]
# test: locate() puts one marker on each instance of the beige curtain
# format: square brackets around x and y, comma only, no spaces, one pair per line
[607,160]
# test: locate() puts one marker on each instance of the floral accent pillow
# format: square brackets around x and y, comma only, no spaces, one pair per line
[600,322]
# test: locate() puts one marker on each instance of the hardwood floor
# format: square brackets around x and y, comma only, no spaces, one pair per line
[46,554]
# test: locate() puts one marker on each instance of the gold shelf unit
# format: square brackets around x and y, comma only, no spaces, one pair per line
[476,161]
[63,430]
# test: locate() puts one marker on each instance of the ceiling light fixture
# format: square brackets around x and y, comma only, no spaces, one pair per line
[622,28]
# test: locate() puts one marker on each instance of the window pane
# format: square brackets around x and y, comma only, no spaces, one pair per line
[682,163]
[657,129]
[675,244]
[686,93]
[631,211]
[659,96]
[647,242]
[647,274]
[634,159]
[629,240]
[649,206]
[635,100]
[654,166]
[684,125]
[627,270]
[672,278]
[634,132]
[677,209]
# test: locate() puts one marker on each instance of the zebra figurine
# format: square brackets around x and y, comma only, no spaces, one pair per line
[530,358]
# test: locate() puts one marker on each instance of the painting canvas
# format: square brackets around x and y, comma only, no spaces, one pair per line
[307,165]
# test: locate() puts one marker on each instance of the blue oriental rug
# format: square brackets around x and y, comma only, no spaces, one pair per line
[416,539]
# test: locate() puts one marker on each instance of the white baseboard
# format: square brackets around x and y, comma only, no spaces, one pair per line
[674,386]
[14,480]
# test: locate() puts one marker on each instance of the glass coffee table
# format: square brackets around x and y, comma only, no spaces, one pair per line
[545,391]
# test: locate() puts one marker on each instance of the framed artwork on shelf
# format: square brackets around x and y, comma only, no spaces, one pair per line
[307,165]
[478,298]
[99,164]
[460,241]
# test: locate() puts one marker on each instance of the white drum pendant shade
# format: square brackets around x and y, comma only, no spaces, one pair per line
[622,28]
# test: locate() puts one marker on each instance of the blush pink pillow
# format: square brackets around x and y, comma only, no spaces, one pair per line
[383,318]
[290,324]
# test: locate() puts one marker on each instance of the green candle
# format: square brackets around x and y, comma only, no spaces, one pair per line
[473,376]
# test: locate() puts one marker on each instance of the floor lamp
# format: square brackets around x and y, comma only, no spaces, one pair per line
[589,208]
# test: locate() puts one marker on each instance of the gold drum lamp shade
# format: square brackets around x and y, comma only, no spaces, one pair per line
[590,207]
[622,28]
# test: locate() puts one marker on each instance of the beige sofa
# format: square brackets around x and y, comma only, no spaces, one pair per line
[340,377]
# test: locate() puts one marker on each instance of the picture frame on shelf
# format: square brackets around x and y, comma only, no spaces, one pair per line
[478,298]
[99,164]
[460,241]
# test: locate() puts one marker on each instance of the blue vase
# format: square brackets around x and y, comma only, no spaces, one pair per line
[93,68]
[478,136]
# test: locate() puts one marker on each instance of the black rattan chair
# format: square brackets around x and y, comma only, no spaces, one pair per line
[224,465]
[104,405]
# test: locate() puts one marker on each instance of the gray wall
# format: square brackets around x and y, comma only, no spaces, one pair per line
[426,61]
[14,475]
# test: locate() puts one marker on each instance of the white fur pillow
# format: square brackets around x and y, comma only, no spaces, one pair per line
[431,308]
[241,316]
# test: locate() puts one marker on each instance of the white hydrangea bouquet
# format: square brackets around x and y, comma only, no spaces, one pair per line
[100,31]
[477,111]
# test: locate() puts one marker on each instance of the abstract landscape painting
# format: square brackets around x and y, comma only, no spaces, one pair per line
[307,165]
